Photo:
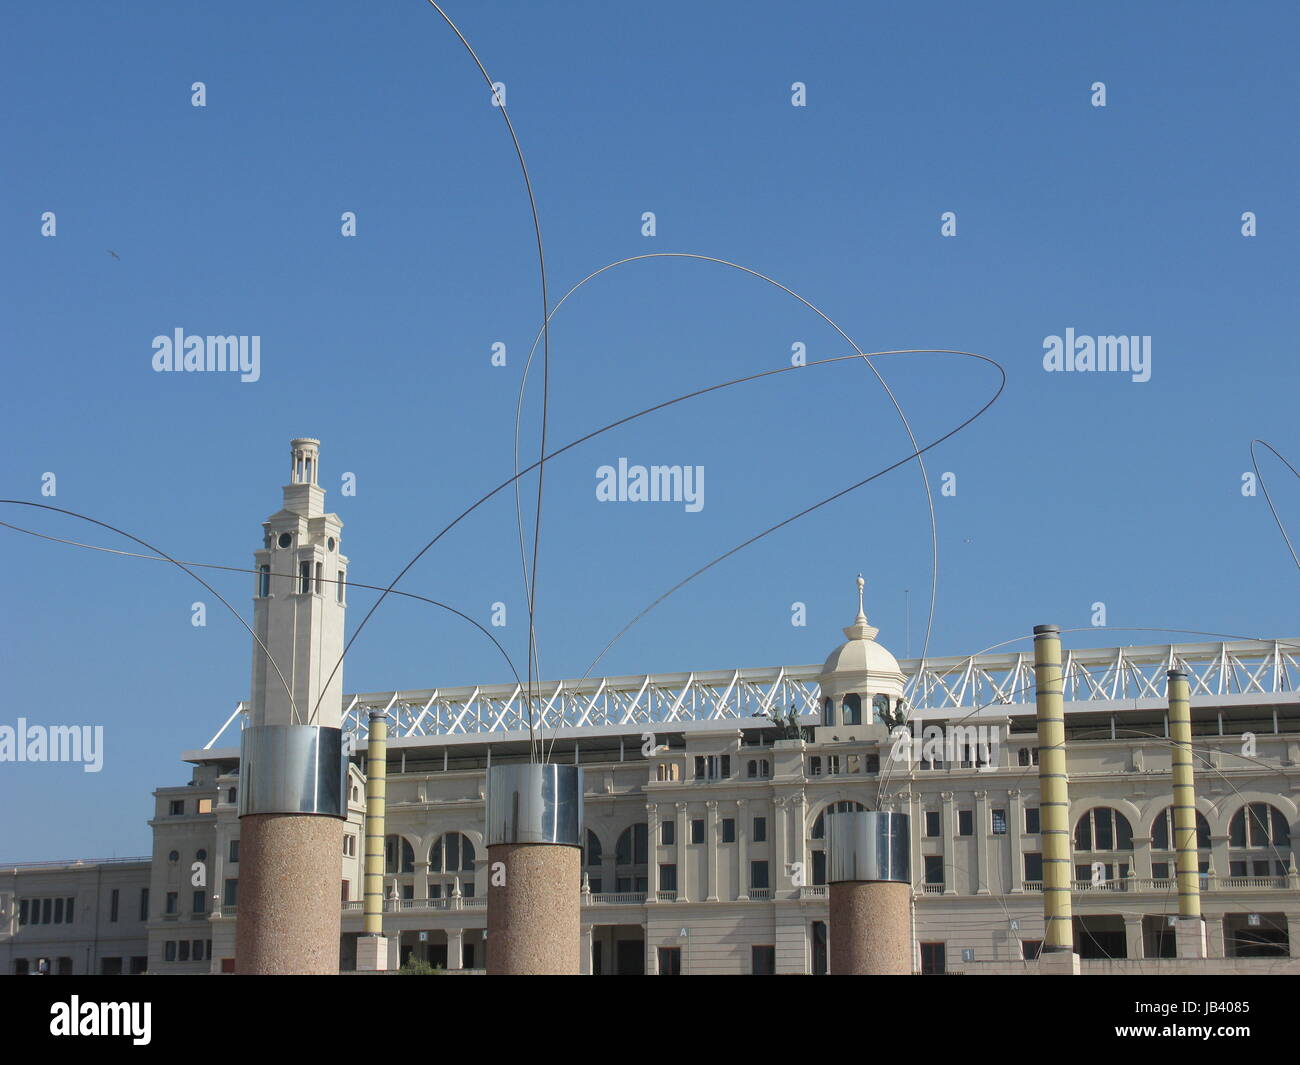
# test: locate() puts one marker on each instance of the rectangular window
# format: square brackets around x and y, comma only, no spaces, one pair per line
[934,868]
[932,825]
[69,910]
[1031,820]
[197,950]
[1033,867]
[185,950]
[264,581]
[833,764]
[999,822]
[933,959]
[699,767]
[173,901]
[758,875]
[22,912]
[320,578]
[58,911]
[873,763]
[231,896]
[144,904]
[697,830]
[169,950]
[1160,870]
[304,577]
[234,852]
[965,822]
[199,902]
[338,588]
[1029,949]
[345,890]
[205,806]
[46,910]
[667,833]
[760,830]
[728,830]
[176,808]
[814,766]
[112,904]
[667,877]
[670,961]
[763,960]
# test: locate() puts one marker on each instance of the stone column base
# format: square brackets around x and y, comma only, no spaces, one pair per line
[1058,963]
[372,954]
[289,911]
[534,915]
[1189,937]
[870,928]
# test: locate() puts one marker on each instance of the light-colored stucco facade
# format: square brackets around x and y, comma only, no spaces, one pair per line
[704,815]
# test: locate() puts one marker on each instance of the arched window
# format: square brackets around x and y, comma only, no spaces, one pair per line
[593,852]
[1259,839]
[399,855]
[1259,825]
[879,708]
[592,856]
[851,709]
[1103,829]
[818,850]
[630,861]
[828,711]
[1162,831]
[844,806]
[451,864]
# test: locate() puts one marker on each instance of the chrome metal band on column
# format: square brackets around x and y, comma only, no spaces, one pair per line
[866,845]
[292,769]
[532,803]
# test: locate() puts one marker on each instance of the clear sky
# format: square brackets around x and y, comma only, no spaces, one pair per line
[1075,488]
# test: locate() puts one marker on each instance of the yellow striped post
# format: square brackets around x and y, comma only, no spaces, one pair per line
[1180,735]
[1054,791]
[376,796]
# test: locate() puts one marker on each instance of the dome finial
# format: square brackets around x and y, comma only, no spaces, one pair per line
[861,585]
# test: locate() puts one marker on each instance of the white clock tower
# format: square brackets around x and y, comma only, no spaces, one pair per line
[299,604]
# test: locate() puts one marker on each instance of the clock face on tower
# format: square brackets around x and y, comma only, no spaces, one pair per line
[286,539]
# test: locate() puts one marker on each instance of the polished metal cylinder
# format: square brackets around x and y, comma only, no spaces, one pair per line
[868,846]
[292,769]
[532,803]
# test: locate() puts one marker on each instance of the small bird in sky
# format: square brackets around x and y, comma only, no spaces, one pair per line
[114,254]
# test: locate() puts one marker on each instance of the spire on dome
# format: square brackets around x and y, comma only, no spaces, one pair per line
[860,630]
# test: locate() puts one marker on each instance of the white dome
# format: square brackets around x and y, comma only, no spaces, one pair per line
[861,655]
[861,665]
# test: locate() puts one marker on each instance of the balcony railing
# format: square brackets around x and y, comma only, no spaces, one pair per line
[618,898]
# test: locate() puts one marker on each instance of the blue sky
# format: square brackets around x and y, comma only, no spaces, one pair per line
[1073,489]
